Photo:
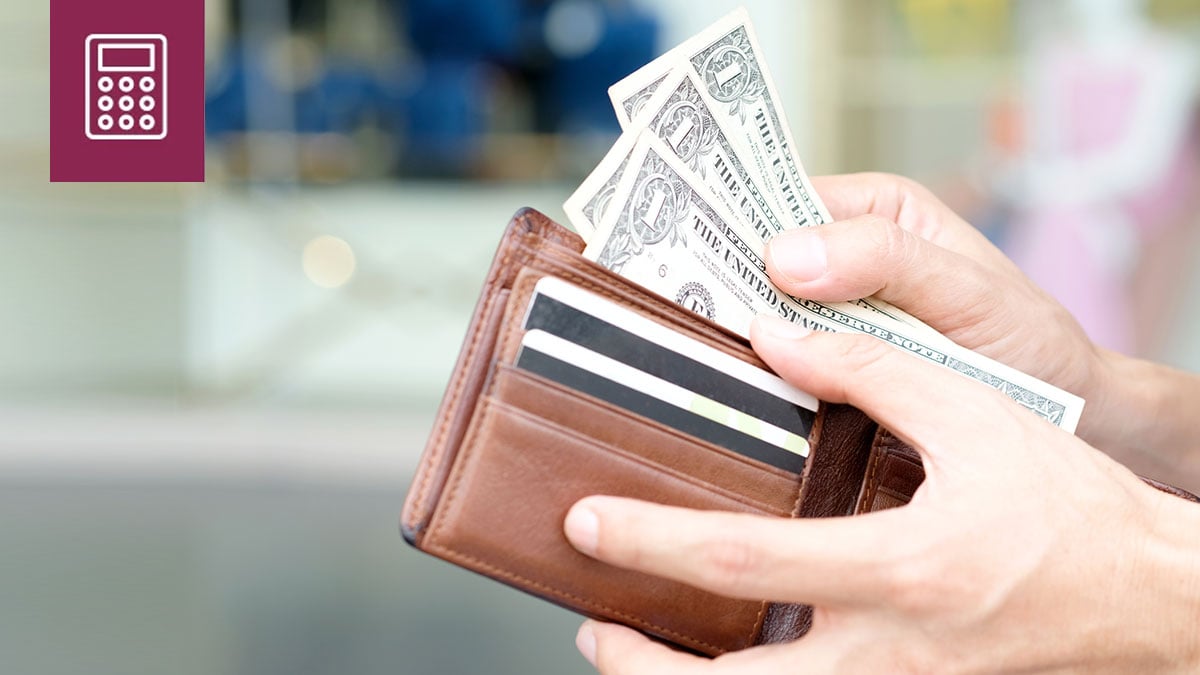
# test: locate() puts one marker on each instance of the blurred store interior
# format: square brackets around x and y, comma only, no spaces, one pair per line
[212,396]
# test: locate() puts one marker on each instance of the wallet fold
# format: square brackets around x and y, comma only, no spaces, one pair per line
[511,451]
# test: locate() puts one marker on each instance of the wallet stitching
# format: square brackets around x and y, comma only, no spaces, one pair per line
[762,508]
[871,486]
[476,338]
[464,557]
[443,429]
[456,395]
[433,544]
[519,290]
[725,453]
[758,623]
[816,440]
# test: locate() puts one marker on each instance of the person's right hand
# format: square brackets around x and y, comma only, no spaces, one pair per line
[1024,551]
[894,240]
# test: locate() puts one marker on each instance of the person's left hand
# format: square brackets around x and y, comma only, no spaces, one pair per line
[1024,550]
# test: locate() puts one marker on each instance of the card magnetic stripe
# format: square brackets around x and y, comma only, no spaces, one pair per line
[569,323]
[657,410]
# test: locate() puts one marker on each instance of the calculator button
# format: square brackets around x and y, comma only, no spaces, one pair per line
[147,122]
[147,84]
[126,103]
[104,122]
[126,122]
[105,103]
[126,84]
[105,83]
[147,103]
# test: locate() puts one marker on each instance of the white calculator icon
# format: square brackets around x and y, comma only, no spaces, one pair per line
[125,86]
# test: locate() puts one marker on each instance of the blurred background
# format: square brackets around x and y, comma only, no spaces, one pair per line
[212,396]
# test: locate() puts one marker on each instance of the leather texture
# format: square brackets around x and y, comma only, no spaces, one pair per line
[511,452]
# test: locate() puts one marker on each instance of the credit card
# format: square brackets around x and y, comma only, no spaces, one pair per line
[627,387]
[604,327]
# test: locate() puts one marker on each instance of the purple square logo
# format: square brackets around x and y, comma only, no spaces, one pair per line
[127,90]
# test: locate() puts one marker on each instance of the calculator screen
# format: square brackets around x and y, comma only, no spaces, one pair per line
[127,57]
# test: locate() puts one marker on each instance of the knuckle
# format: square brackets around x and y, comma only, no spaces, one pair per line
[908,585]
[728,562]
[920,580]
[620,540]
[893,245]
[861,352]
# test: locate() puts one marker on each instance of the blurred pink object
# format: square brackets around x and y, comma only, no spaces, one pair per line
[1110,166]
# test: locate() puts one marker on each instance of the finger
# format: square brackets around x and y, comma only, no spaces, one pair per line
[938,411]
[908,203]
[617,650]
[833,561]
[872,256]
[881,194]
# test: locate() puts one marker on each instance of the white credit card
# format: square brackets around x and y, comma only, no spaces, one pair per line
[618,383]
[694,350]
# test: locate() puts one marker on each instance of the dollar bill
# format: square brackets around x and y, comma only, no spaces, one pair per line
[662,231]
[725,57]
[630,95]
[680,117]
[587,206]
[739,96]
[633,102]
[680,114]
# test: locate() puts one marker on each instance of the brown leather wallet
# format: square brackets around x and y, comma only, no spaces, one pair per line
[511,452]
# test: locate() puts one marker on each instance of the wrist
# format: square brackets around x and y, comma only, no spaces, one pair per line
[1143,415]
[1118,396]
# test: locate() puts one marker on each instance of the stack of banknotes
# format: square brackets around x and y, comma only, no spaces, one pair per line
[704,173]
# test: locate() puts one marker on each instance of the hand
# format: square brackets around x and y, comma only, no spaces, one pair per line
[898,242]
[1024,550]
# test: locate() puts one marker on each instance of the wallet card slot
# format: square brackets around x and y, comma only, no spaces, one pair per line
[517,476]
[772,489]
[894,473]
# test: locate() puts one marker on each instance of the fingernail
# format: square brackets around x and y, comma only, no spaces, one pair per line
[799,255]
[585,642]
[780,329]
[582,528]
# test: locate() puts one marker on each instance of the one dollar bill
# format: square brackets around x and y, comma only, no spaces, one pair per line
[663,230]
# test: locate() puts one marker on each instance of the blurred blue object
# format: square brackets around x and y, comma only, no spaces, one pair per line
[225,96]
[439,101]
[341,99]
[575,94]
[463,29]
[440,112]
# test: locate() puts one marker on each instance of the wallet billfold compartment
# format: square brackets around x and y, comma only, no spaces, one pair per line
[512,451]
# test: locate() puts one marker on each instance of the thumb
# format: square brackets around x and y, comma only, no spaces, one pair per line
[941,413]
[872,256]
